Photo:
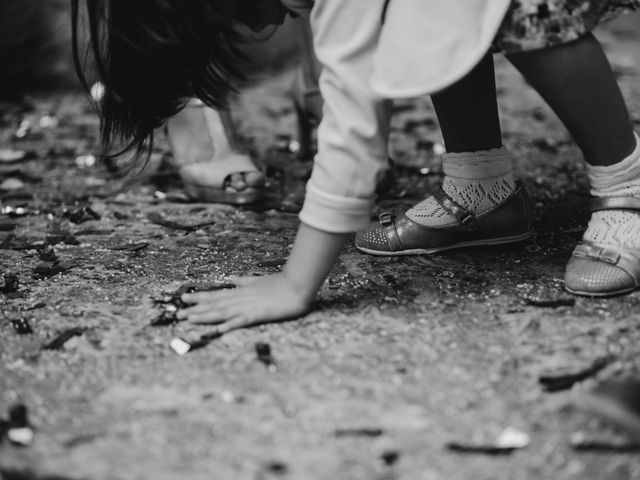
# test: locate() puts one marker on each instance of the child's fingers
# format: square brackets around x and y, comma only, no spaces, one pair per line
[211,315]
[198,297]
[199,308]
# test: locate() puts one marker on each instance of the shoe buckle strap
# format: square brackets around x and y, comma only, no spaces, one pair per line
[386,219]
[464,216]
[594,252]
[627,261]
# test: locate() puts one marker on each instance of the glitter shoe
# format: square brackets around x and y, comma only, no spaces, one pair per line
[507,222]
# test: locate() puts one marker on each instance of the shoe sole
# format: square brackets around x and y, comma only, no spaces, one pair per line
[429,251]
[584,293]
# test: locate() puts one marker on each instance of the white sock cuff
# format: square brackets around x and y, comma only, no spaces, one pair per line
[478,165]
[619,179]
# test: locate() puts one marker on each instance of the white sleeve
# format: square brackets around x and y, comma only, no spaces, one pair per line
[353,134]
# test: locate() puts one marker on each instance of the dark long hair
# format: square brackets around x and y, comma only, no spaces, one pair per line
[153,55]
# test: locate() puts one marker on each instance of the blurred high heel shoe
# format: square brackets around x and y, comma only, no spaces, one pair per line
[210,164]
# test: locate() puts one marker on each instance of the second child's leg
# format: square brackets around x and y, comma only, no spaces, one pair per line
[211,164]
[480,202]
[468,111]
[575,79]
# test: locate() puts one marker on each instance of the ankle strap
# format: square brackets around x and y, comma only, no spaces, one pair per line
[615,203]
[448,204]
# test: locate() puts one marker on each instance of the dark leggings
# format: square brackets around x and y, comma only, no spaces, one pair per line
[576,81]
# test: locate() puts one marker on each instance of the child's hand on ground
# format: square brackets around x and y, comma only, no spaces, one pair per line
[282,296]
[265,299]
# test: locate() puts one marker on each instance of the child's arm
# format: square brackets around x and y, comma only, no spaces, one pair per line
[273,297]
[352,152]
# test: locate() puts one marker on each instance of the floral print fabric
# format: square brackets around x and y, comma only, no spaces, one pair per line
[534,24]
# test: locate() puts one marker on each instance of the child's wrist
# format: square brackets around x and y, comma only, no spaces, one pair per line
[304,291]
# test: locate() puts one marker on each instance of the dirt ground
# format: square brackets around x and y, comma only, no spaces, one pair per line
[399,357]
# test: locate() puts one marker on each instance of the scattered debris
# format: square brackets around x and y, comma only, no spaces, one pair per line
[172,302]
[288,208]
[118,215]
[7,226]
[277,467]
[580,441]
[178,197]
[158,195]
[507,442]
[294,146]
[21,326]
[159,219]
[358,432]
[48,121]
[282,143]
[62,237]
[182,345]
[131,247]
[22,175]
[477,448]
[167,316]
[11,184]
[36,306]
[81,215]
[565,378]
[19,431]
[85,161]
[50,269]
[272,263]
[14,212]
[10,156]
[47,254]
[390,457]
[263,353]
[11,284]
[58,341]
[512,437]
[24,129]
[94,231]
[551,302]
[13,242]
[82,439]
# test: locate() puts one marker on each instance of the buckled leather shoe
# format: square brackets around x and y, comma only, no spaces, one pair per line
[507,222]
[596,270]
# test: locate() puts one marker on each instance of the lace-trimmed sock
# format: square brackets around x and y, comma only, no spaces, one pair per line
[477,181]
[616,227]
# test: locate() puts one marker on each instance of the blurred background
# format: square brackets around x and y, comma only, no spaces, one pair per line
[35,47]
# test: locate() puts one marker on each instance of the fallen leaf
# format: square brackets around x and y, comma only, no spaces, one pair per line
[58,341]
[564,378]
